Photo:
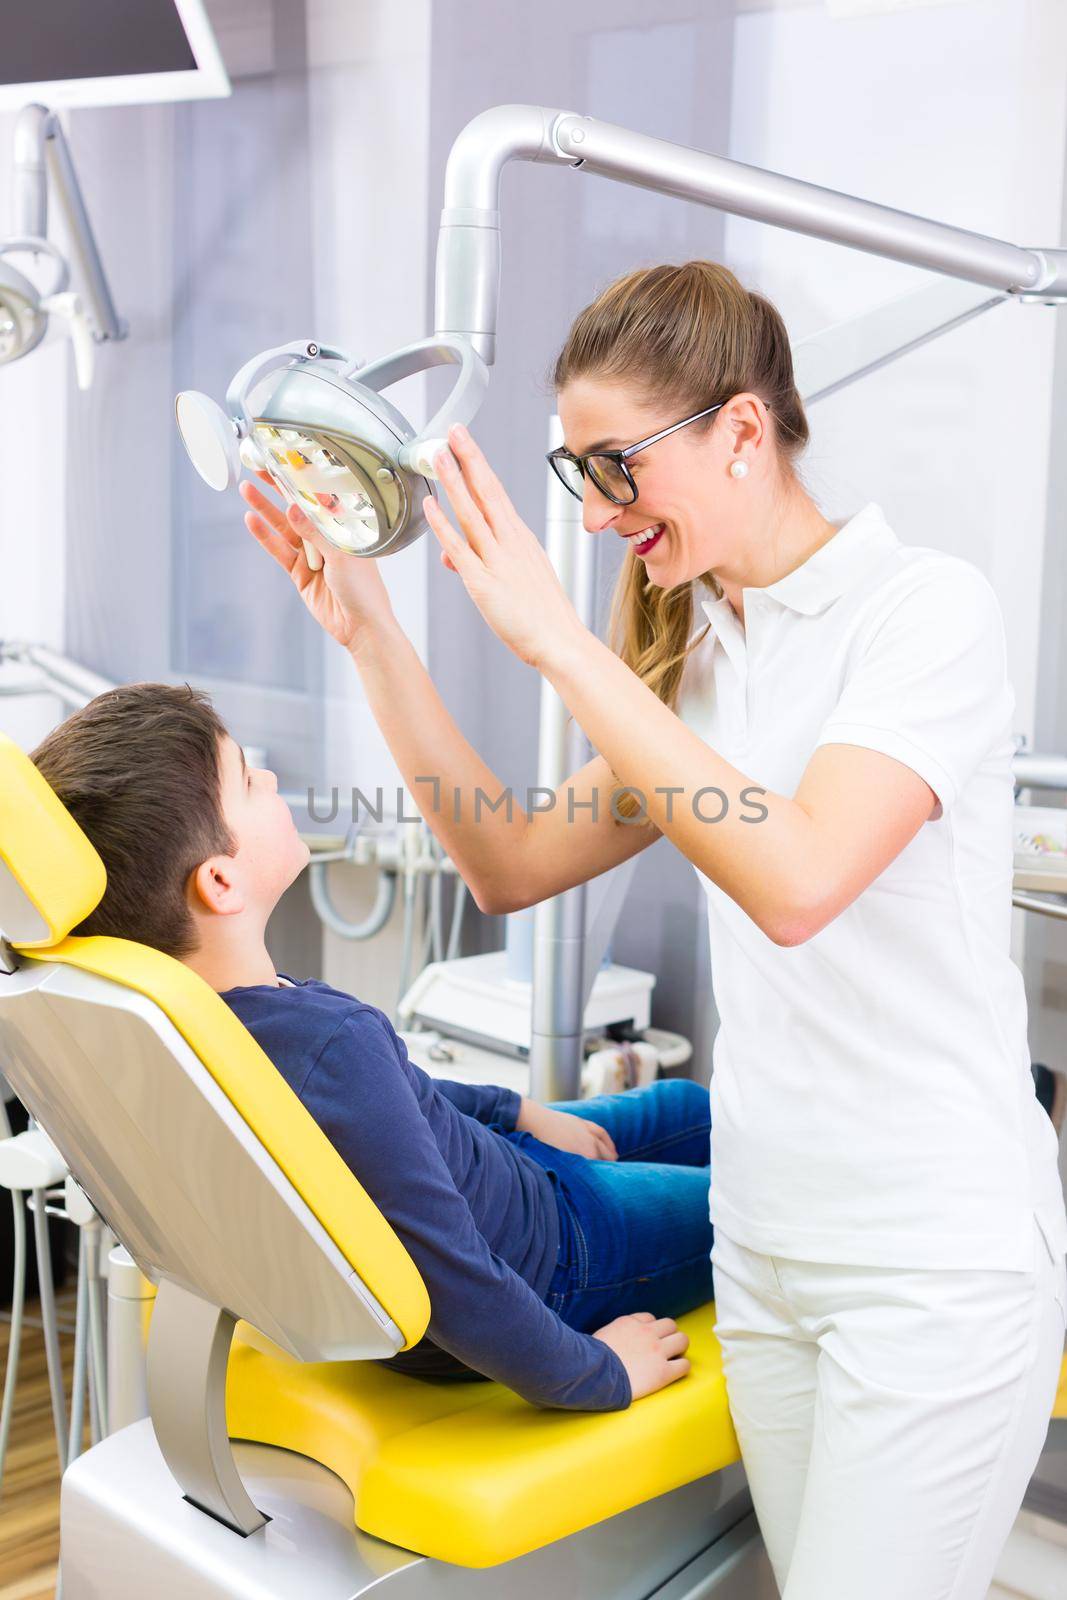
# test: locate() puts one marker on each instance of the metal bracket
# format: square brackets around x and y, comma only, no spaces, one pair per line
[1057,909]
[188,1351]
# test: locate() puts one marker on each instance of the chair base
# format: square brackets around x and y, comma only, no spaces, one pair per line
[126,1533]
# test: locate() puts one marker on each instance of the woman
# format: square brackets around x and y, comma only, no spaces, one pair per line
[819,718]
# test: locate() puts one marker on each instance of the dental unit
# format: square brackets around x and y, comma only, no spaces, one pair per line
[234,1485]
[320,427]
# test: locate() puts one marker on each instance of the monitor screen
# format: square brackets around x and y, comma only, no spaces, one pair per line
[109,52]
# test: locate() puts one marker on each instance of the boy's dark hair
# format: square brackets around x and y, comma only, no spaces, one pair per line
[138,770]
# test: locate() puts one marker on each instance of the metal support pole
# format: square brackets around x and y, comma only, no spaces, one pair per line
[559,923]
[18,1305]
[81,1370]
[1056,909]
[63,671]
[1032,770]
[49,1323]
[468,245]
[97,1335]
[68,680]
[129,1294]
[830,360]
[745,191]
[29,188]
[41,150]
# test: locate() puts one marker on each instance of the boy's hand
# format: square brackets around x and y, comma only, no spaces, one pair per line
[566,1132]
[346,595]
[651,1350]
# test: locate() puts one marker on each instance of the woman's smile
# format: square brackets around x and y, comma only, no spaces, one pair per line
[646,539]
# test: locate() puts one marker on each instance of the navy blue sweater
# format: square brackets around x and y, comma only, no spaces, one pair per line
[477,1215]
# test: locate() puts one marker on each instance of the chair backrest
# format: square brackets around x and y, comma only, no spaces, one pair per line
[181,1131]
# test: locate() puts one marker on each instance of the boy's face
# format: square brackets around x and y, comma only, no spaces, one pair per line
[270,853]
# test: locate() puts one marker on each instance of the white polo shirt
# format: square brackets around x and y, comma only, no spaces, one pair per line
[872,1100]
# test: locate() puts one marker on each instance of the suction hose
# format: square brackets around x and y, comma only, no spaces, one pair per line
[373,923]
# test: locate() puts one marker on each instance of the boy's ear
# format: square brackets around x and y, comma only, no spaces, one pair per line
[215,887]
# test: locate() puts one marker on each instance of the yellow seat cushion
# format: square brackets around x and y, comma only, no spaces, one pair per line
[468,1472]
[274,1113]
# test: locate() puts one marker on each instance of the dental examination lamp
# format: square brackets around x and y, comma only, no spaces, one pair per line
[318,423]
[42,155]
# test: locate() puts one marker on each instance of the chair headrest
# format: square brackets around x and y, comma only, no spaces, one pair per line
[50,875]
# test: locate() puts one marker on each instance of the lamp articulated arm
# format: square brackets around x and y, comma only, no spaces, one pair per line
[468,251]
[41,152]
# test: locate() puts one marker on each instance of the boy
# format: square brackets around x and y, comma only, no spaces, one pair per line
[555,1257]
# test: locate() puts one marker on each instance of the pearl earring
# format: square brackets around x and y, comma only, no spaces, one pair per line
[739,469]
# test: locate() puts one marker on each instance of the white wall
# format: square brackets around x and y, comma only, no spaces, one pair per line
[368,171]
[369,77]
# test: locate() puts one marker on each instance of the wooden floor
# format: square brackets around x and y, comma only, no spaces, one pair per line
[29,1494]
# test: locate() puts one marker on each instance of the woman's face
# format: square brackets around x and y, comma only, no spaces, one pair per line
[685,492]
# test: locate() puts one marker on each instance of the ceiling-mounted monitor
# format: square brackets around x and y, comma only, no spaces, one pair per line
[109,53]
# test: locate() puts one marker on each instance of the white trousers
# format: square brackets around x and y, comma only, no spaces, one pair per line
[889,1418]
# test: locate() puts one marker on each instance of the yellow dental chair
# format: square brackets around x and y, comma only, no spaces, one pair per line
[347,1478]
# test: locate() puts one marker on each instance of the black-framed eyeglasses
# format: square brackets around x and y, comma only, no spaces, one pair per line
[608,469]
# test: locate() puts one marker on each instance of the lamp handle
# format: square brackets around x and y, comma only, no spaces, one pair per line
[269,361]
[462,404]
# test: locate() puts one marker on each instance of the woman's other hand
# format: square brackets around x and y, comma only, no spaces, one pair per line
[503,565]
[564,1131]
[346,595]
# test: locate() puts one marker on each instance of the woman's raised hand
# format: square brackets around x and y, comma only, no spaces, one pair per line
[346,596]
[503,565]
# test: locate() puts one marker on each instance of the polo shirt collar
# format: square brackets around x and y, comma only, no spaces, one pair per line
[830,572]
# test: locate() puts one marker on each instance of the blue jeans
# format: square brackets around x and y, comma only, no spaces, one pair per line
[634,1233]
